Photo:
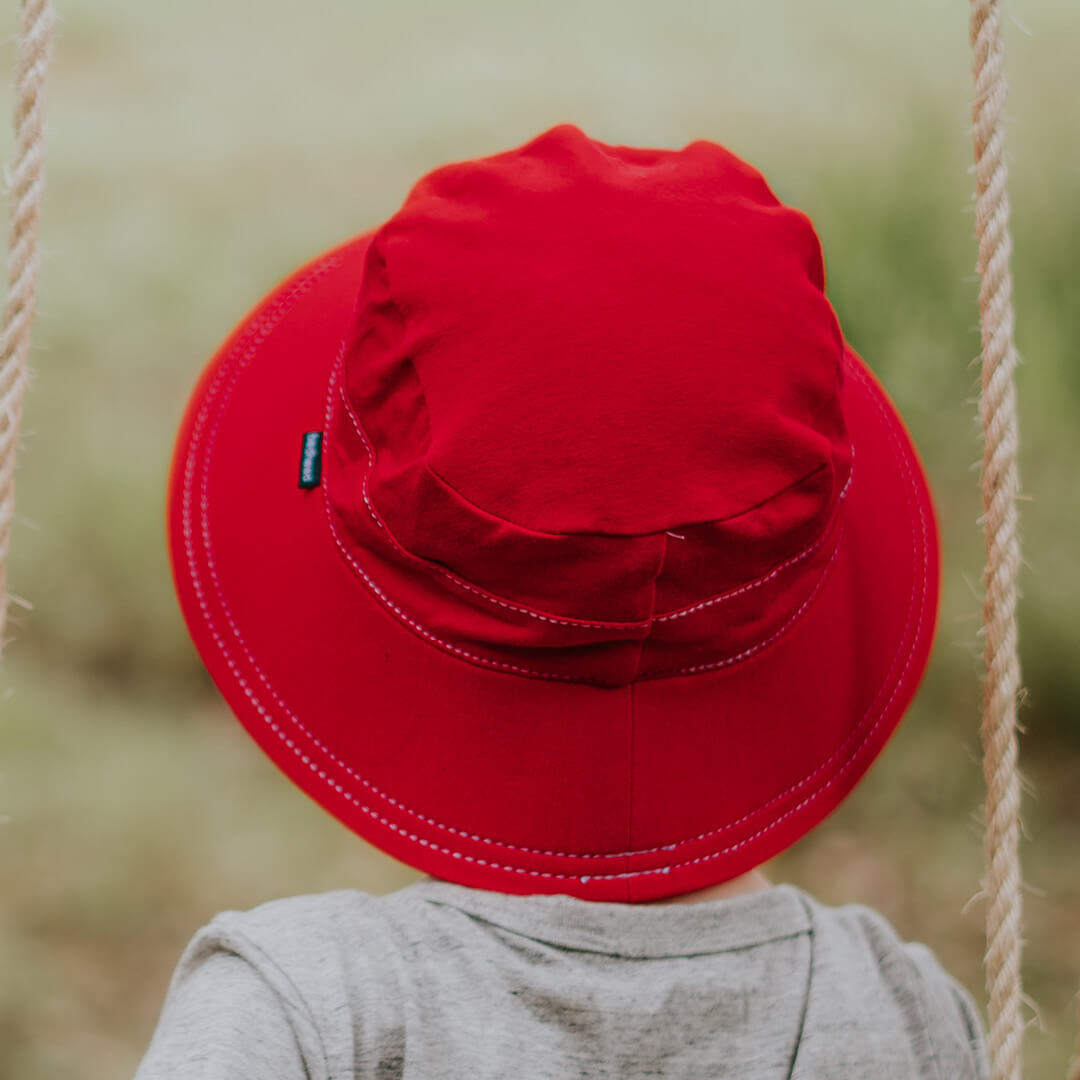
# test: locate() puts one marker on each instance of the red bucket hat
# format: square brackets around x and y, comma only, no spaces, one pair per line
[551,536]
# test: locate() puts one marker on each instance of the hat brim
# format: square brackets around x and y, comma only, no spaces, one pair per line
[495,780]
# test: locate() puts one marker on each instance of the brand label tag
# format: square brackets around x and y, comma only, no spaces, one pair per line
[311,459]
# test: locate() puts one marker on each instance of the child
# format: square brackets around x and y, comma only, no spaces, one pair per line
[552,537]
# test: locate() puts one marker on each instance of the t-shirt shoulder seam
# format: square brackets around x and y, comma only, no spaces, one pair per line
[225,933]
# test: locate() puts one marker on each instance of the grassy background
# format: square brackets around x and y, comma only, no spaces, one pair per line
[199,151]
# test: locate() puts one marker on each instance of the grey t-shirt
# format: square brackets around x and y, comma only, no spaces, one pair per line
[442,981]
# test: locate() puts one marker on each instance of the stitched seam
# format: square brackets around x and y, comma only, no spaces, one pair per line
[776,570]
[812,942]
[235,936]
[679,613]
[917,984]
[503,665]
[369,449]
[547,532]
[488,920]
[432,821]
[267,324]
[630,777]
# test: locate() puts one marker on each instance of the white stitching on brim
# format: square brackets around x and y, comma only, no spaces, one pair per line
[260,330]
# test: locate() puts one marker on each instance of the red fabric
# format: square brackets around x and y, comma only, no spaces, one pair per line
[623,567]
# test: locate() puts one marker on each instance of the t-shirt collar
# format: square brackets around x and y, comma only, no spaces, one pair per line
[627,929]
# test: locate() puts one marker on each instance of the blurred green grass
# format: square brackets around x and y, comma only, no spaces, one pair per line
[200,151]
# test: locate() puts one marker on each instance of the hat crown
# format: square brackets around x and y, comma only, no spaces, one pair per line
[593,391]
[598,591]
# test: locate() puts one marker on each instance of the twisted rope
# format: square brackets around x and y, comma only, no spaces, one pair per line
[25,183]
[1000,486]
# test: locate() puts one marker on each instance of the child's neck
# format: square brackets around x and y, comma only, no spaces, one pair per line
[750,882]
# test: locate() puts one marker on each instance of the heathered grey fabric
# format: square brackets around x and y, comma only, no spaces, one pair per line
[442,981]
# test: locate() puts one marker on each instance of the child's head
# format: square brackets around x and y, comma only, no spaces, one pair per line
[551,536]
